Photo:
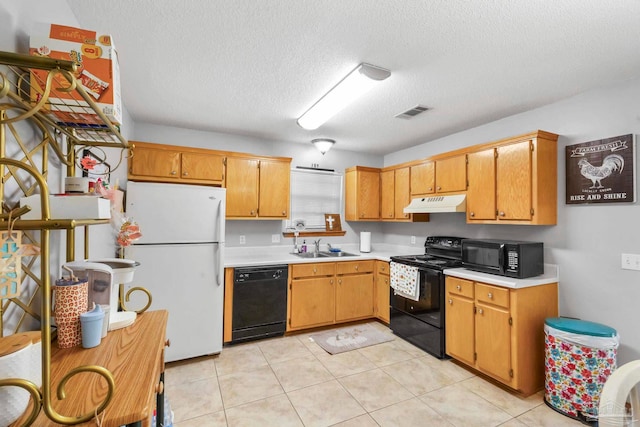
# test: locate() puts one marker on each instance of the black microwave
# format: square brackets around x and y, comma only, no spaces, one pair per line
[509,258]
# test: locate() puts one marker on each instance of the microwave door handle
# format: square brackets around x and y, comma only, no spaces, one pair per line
[501,254]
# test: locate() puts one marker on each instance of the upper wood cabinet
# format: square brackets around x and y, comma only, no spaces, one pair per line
[169,163]
[423,178]
[362,194]
[242,187]
[514,181]
[481,192]
[395,195]
[258,187]
[444,175]
[451,174]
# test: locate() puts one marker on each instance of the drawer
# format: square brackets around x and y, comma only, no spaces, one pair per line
[460,287]
[354,267]
[313,270]
[492,295]
[382,268]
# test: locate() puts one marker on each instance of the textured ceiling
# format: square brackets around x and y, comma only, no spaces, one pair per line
[251,67]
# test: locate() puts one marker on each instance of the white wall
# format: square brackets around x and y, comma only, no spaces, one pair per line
[259,232]
[588,240]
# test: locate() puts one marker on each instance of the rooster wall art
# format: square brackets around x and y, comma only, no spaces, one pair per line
[595,174]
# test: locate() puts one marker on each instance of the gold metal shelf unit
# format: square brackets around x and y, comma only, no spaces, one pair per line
[28,133]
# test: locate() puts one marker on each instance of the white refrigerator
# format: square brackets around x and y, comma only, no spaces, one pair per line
[181,255]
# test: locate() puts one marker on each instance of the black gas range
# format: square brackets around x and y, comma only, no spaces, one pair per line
[419,319]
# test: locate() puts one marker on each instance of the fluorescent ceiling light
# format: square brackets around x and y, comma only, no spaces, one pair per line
[323,144]
[358,82]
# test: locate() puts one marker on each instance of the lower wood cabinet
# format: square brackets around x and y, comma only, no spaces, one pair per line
[382,291]
[330,292]
[500,331]
[354,291]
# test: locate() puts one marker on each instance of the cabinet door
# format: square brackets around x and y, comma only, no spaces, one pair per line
[382,295]
[451,174]
[152,162]
[513,181]
[387,194]
[202,166]
[242,187]
[368,195]
[402,192]
[460,319]
[481,193]
[274,195]
[423,178]
[493,342]
[312,302]
[354,297]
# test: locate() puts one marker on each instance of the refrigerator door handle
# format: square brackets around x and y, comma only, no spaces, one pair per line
[217,262]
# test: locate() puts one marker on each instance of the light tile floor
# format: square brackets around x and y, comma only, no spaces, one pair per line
[291,381]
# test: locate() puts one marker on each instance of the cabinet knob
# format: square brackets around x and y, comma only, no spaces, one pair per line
[167,343]
[490,295]
[361,215]
[173,173]
[480,311]
[357,267]
[185,174]
[331,281]
[450,302]
[315,270]
[430,188]
[284,213]
[390,215]
[459,287]
[382,268]
[501,213]
[386,281]
[159,387]
[472,214]
[439,188]
[253,212]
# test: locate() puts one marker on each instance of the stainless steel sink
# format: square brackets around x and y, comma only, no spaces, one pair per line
[338,254]
[312,255]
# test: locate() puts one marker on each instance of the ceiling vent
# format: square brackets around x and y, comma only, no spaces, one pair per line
[411,113]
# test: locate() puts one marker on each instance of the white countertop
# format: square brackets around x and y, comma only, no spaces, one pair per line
[551,275]
[241,256]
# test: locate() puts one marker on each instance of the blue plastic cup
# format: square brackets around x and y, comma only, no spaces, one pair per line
[91,324]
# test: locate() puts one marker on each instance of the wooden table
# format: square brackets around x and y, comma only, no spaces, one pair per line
[135,357]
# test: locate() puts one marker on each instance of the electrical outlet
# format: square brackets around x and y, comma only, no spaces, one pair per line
[413,240]
[275,238]
[630,262]
[243,240]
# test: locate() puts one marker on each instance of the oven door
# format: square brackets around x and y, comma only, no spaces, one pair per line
[422,322]
[429,307]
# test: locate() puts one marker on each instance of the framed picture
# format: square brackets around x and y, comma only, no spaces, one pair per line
[332,222]
[101,169]
[601,171]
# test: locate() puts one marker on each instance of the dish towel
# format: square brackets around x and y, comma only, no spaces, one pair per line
[404,280]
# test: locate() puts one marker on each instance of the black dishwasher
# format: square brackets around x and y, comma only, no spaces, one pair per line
[259,302]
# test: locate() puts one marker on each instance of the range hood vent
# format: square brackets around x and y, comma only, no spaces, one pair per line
[436,204]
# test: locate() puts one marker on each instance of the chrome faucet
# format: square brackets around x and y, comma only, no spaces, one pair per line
[316,244]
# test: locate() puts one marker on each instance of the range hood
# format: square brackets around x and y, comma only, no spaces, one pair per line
[434,204]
